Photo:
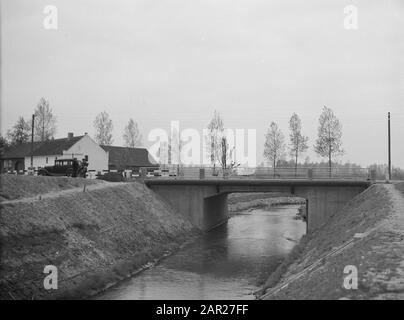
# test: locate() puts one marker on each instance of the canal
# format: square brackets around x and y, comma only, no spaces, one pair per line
[230,262]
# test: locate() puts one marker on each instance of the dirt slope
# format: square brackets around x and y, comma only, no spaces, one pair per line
[94,238]
[368,234]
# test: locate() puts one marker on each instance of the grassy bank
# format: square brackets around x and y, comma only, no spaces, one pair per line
[18,186]
[95,238]
[368,234]
[245,201]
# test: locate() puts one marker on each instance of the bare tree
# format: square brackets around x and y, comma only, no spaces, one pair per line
[274,145]
[20,132]
[45,121]
[298,142]
[225,155]
[103,129]
[163,153]
[175,146]
[329,143]
[215,134]
[131,135]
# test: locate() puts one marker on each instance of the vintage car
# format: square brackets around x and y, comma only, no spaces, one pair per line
[63,167]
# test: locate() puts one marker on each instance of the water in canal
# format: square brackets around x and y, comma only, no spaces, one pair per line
[226,263]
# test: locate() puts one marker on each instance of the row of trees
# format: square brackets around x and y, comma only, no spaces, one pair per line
[45,128]
[381,172]
[328,143]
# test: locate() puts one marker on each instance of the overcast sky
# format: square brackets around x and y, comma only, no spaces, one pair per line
[255,61]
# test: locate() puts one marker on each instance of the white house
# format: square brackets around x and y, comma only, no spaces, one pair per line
[68,148]
[45,153]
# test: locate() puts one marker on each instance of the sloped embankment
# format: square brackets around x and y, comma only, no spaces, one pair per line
[17,187]
[94,238]
[368,233]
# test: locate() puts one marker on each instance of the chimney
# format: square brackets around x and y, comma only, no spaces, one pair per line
[70,136]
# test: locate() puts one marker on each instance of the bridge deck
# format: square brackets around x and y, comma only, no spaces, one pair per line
[258,182]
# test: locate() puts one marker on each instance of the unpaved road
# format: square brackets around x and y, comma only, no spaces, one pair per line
[55,194]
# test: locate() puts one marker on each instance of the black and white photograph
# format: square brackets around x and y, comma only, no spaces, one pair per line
[207,155]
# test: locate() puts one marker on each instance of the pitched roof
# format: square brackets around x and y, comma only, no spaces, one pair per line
[55,147]
[51,147]
[18,151]
[125,157]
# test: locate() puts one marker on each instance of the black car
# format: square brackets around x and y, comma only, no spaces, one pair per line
[63,167]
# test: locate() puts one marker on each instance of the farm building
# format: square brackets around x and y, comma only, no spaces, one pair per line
[125,158]
[100,158]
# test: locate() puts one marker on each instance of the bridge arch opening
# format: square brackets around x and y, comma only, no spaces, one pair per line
[219,208]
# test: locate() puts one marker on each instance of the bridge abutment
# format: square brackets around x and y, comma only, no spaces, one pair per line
[324,202]
[202,205]
[215,211]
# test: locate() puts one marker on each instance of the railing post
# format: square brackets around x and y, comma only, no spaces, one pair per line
[373,175]
[201,173]
[310,173]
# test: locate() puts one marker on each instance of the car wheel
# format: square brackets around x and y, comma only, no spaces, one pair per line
[69,172]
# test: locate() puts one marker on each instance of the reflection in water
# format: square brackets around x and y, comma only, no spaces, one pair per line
[226,263]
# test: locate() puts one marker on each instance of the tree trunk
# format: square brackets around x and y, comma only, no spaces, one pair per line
[43,130]
[297,153]
[329,162]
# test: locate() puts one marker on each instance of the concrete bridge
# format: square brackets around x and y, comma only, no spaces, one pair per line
[204,202]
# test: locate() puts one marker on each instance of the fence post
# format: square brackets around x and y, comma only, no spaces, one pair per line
[201,173]
[143,173]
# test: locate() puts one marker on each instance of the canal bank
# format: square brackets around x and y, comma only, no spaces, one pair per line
[364,239]
[95,236]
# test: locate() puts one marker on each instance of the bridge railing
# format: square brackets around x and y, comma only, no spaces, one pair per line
[177,172]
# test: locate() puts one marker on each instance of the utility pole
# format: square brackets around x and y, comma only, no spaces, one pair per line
[32,141]
[389,141]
